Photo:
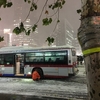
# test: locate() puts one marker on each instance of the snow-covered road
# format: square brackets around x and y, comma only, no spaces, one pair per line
[74,87]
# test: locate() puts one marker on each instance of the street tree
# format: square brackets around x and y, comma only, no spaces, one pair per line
[89,39]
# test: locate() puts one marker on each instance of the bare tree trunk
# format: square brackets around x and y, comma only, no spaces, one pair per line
[93,75]
[89,39]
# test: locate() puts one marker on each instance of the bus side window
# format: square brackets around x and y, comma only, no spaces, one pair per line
[41,60]
[9,59]
[57,59]
[1,61]
[49,60]
[34,60]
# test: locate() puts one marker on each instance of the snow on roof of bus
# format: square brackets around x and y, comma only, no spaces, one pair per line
[12,49]
[15,48]
[28,47]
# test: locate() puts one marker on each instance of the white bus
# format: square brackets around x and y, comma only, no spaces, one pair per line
[51,62]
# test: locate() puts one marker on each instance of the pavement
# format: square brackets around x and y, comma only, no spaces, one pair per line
[27,97]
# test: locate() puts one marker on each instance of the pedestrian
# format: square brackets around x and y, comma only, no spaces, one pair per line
[81,60]
[35,75]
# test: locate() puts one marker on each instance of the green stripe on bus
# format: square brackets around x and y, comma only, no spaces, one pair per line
[92,50]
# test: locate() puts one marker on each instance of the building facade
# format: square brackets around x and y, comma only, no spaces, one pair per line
[20,16]
[64,34]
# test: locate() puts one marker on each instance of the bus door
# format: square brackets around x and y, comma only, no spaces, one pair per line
[19,61]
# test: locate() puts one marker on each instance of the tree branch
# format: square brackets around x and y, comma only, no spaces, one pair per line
[41,12]
[57,20]
[53,14]
[28,13]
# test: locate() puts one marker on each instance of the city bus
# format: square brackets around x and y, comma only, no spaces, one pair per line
[51,62]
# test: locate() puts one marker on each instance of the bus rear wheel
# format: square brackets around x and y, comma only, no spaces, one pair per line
[40,72]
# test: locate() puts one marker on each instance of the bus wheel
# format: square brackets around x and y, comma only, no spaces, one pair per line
[40,73]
